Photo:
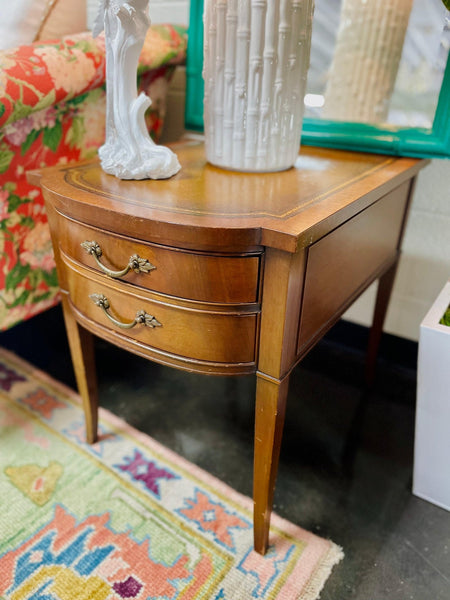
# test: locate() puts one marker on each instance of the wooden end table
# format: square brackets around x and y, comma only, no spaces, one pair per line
[226,273]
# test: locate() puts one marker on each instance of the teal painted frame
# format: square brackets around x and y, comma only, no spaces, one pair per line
[194,65]
[399,141]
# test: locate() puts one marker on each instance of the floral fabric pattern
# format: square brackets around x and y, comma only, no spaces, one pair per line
[52,110]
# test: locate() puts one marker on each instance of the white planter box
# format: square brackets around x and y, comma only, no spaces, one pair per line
[431,479]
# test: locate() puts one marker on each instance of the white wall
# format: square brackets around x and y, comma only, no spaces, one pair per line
[170,11]
[161,11]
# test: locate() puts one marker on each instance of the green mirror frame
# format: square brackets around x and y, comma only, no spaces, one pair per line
[399,141]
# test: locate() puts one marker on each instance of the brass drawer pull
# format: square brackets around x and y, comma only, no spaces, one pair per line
[136,263]
[141,316]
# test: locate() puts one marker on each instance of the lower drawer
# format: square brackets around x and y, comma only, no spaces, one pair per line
[203,335]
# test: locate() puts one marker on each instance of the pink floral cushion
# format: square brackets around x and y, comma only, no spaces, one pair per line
[52,110]
[38,75]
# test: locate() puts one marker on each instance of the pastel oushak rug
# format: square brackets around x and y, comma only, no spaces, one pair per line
[126,518]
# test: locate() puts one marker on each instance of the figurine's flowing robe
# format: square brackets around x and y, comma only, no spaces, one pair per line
[128,151]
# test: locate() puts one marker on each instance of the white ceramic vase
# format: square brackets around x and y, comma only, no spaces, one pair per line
[256,58]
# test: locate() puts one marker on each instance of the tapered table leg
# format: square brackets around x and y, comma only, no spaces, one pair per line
[81,343]
[269,420]
[385,285]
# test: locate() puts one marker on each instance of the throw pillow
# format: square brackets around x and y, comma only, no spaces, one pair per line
[66,17]
[25,21]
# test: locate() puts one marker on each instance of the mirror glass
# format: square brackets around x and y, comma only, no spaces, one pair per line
[380,63]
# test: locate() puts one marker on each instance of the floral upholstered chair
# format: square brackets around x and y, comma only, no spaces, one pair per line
[52,110]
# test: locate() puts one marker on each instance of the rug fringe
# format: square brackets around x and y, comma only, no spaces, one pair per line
[315,585]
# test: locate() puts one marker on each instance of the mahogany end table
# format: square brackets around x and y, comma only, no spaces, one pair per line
[226,273]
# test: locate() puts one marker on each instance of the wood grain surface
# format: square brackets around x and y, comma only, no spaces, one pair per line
[250,270]
[205,208]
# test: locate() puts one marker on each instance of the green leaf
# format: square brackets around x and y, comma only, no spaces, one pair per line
[20,111]
[16,275]
[10,186]
[32,137]
[2,109]
[76,132]
[42,297]
[27,222]
[46,101]
[6,157]
[84,45]
[51,279]
[446,318]
[78,99]
[15,201]
[446,4]
[21,300]
[53,136]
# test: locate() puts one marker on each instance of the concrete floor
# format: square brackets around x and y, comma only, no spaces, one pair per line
[346,464]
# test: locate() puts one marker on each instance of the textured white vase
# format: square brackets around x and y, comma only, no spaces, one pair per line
[366,59]
[256,58]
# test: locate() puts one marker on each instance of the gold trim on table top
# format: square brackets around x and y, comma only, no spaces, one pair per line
[214,178]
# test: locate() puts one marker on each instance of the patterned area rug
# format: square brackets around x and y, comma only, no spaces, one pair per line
[127,518]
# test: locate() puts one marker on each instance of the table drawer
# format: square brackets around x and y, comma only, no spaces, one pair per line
[341,264]
[204,335]
[207,278]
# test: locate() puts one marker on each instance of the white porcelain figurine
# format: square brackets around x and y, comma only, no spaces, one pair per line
[128,151]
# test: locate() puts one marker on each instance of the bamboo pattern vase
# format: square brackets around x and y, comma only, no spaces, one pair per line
[366,60]
[256,58]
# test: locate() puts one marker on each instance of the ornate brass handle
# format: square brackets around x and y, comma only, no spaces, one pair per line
[141,316]
[136,263]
